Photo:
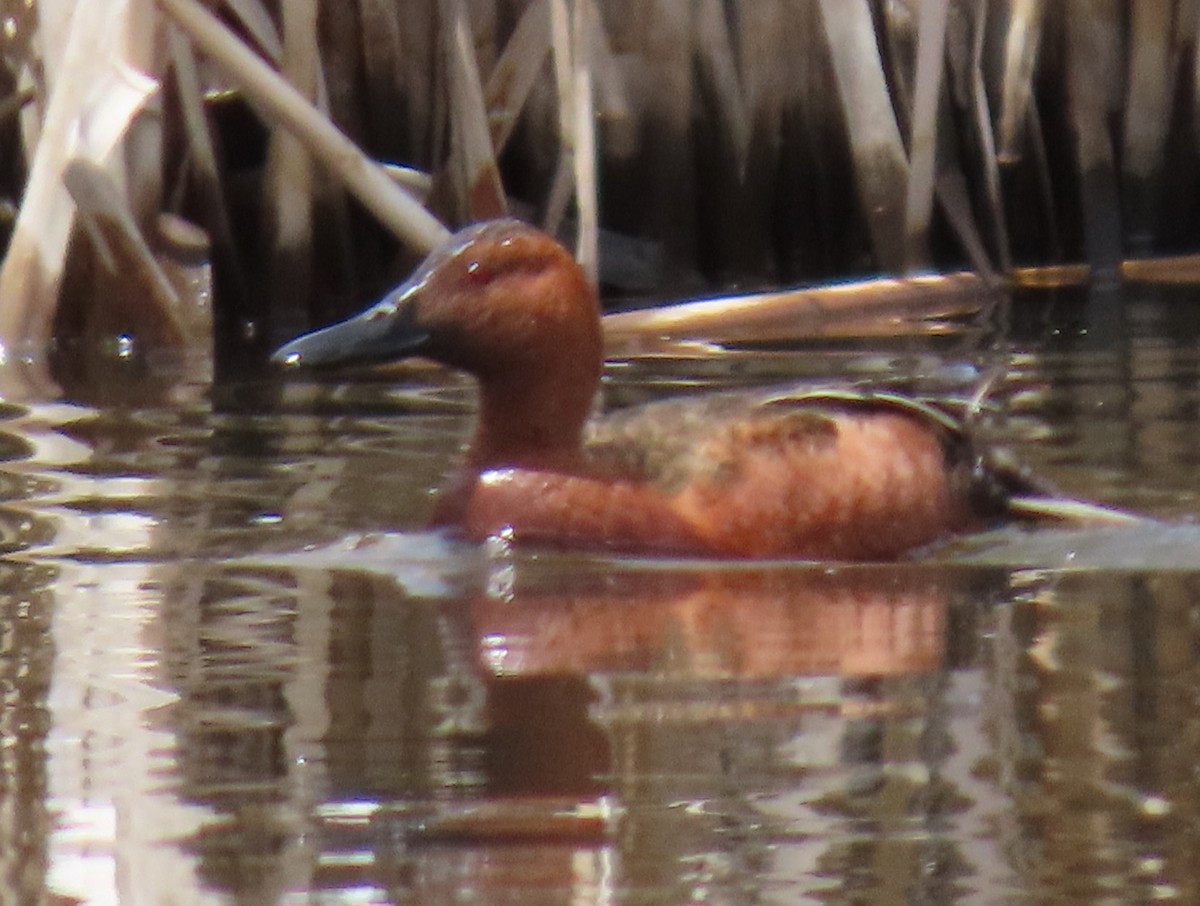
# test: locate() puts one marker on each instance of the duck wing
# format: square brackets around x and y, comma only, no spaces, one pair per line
[669,441]
[684,439]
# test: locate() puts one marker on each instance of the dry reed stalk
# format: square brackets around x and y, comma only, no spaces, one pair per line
[562,183]
[1181,270]
[1153,62]
[896,31]
[800,312]
[283,105]
[290,174]
[1093,77]
[1195,36]
[718,73]
[472,167]
[723,150]
[926,325]
[1045,182]
[955,203]
[745,232]
[378,35]
[202,160]
[981,122]
[880,165]
[612,95]
[666,180]
[922,143]
[96,87]
[1174,270]
[516,70]
[1050,276]
[817,221]
[259,26]
[583,129]
[571,35]
[722,128]
[1022,41]
[955,152]
[483,17]
[422,76]
[416,182]
[104,209]
[350,80]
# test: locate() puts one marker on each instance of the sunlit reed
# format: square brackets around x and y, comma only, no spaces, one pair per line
[681,147]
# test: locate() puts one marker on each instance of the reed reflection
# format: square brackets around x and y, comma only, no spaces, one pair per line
[26,662]
[722,692]
[557,716]
[1094,726]
[627,723]
[594,729]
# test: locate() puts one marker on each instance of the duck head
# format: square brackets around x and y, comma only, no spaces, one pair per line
[501,301]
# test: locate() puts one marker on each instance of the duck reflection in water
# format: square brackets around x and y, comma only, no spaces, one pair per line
[820,473]
[578,669]
[740,624]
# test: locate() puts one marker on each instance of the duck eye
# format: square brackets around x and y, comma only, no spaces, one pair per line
[478,274]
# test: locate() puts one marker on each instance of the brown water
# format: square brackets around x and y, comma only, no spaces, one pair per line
[233,669]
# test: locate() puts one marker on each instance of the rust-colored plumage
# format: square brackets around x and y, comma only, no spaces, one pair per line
[813,474]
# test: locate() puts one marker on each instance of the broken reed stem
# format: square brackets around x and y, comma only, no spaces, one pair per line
[587,243]
[798,312]
[287,108]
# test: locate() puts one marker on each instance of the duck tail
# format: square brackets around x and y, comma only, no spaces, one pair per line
[1017,494]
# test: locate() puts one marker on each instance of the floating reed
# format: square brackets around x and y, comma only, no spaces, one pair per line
[682,147]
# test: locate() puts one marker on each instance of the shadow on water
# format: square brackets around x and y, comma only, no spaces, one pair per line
[234,669]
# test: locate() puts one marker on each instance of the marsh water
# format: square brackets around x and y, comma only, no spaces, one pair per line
[235,669]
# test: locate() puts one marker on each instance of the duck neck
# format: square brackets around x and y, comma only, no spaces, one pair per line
[533,424]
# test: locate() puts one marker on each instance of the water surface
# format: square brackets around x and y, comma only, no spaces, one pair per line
[235,669]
